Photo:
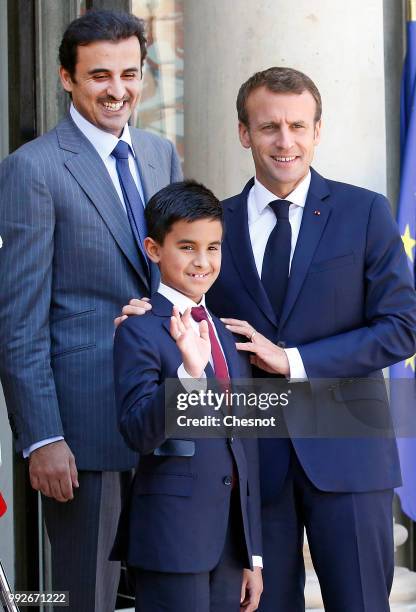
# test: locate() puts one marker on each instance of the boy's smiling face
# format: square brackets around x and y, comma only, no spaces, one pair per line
[190,257]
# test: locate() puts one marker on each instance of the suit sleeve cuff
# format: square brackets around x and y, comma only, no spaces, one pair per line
[296,368]
[36,445]
[257,561]
[189,383]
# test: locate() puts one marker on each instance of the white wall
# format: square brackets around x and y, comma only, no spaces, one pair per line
[338,44]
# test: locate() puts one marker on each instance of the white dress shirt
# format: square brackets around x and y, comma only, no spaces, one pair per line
[103,143]
[261,221]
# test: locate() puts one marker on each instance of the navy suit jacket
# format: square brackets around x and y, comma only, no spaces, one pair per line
[69,263]
[350,309]
[176,517]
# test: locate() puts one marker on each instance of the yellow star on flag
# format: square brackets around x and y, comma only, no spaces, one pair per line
[411,362]
[409,243]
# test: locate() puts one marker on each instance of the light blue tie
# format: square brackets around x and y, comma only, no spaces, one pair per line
[132,199]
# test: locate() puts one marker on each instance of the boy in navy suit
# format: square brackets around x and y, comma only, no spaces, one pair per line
[192,522]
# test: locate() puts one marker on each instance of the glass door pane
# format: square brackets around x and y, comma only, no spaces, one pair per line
[161,107]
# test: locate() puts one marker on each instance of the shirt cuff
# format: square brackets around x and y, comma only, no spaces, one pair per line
[189,383]
[257,561]
[36,445]
[296,368]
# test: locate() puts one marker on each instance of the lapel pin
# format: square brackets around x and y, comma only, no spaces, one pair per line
[317,212]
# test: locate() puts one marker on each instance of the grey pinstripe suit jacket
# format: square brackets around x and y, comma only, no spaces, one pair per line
[68,264]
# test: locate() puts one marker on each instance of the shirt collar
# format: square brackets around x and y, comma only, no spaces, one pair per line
[103,142]
[262,196]
[179,299]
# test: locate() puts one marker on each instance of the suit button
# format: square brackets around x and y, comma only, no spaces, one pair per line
[231,440]
[228,480]
[281,344]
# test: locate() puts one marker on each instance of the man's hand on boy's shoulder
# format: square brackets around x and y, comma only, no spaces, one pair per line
[251,590]
[134,307]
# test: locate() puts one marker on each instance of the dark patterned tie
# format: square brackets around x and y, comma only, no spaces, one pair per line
[275,270]
[132,199]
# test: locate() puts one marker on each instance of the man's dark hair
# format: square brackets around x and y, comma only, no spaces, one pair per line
[182,201]
[98,25]
[278,80]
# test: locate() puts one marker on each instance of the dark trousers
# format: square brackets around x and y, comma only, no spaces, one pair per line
[82,533]
[350,536]
[215,591]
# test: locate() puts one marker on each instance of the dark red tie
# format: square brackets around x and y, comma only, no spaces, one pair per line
[198,314]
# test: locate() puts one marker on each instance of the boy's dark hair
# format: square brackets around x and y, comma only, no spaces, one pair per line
[277,79]
[182,201]
[98,25]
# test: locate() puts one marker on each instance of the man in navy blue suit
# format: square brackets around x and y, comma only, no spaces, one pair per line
[192,522]
[315,277]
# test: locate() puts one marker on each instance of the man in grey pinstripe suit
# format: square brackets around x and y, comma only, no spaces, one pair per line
[70,260]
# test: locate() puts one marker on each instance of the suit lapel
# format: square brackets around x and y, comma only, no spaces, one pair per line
[147,166]
[91,174]
[314,220]
[238,239]
[161,307]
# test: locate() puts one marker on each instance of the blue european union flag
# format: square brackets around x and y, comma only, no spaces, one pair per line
[406,218]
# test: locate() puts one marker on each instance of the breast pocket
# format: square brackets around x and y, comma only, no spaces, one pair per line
[332,264]
[73,333]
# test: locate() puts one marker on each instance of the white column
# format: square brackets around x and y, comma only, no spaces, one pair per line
[338,44]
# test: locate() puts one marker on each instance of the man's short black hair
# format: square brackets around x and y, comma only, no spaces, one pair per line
[98,25]
[182,201]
